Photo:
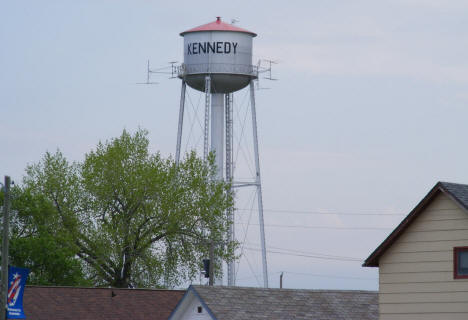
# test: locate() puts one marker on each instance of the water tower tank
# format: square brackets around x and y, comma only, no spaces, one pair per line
[221,50]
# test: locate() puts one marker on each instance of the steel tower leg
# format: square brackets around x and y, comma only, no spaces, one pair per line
[229,158]
[179,139]
[258,183]
[181,121]
[217,146]
[207,116]
[217,132]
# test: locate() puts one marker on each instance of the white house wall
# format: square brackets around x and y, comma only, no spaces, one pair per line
[416,272]
[188,309]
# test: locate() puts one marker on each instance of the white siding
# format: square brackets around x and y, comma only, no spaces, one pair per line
[416,272]
[188,309]
[191,313]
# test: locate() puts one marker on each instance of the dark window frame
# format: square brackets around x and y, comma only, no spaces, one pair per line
[456,251]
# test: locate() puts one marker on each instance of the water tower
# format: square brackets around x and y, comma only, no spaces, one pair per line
[218,62]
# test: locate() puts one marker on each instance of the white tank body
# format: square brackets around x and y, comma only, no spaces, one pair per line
[220,50]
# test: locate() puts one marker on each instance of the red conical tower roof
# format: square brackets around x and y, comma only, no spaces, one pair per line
[218,25]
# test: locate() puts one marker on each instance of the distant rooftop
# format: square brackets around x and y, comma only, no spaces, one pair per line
[241,303]
[67,303]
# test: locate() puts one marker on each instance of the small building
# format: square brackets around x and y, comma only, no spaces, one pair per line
[240,303]
[67,303]
[423,263]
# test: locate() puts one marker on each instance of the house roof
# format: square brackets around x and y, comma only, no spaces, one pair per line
[49,303]
[241,303]
[457,192]
[218,25]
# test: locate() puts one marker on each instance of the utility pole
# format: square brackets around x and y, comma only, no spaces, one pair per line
[6,219]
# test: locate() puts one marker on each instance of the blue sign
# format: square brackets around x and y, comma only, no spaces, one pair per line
[16,283]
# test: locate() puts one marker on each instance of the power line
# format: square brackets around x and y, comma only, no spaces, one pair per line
[326,213]
[246,230]
[308,255]
[312,253]
[328,276]
[319,275]
[251,269]
[320,227]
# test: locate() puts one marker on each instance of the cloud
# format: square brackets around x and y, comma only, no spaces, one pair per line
[397,40]
[433,4]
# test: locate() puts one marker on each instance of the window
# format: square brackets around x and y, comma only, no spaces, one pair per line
[460,263]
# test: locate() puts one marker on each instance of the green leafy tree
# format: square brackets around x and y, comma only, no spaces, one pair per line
[131,217]
[36,242]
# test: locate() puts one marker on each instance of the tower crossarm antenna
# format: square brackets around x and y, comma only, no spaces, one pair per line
[148,72]
[172,70]
[267,70]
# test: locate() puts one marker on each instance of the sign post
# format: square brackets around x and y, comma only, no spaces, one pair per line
[6,218]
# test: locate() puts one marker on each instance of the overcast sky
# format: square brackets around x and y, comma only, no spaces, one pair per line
[368,114]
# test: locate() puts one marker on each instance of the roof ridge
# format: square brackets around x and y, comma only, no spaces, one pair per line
[102,288]
[453,183]
[286,289]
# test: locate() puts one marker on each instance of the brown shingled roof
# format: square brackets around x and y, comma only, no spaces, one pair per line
[241,303]
[49,303]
